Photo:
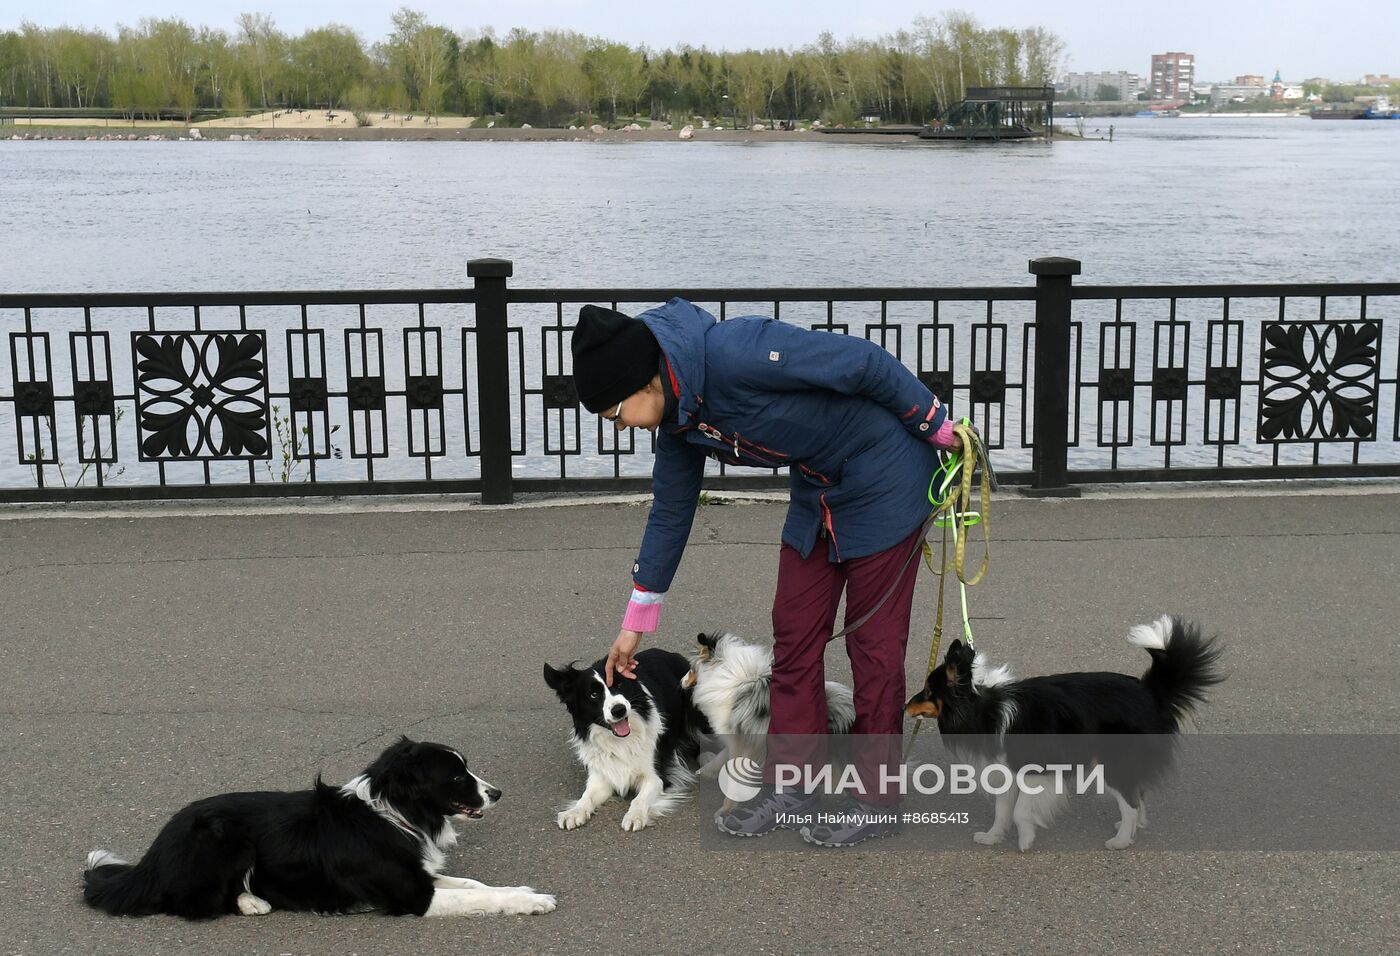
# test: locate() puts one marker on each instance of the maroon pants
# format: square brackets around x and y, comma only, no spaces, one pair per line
[804,614]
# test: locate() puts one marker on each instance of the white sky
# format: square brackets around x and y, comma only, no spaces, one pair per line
[1228,38]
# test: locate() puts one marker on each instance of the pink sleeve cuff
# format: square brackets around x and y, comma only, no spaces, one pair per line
[640,617]
[944,437]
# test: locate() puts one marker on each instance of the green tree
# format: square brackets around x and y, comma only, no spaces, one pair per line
[81,61]
[478,74]
[424,56]
[519,66]
[1043,52]
[566,80]
[235,101]
[11,67]
[263,51]
[1106,91]
[174,53]
[616,73]
[333,61]
[559,72]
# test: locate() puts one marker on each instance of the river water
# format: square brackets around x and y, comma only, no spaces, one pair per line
[1170,200]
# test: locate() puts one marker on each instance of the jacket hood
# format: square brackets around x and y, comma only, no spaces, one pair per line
[680,327]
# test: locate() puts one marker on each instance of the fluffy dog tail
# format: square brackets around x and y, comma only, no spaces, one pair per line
[117,887]
[1184,664]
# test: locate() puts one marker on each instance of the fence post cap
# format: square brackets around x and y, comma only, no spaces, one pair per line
[1055,266]
[490,269]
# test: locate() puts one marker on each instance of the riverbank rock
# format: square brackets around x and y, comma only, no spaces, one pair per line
[687,132]
[598,128]
[196,134]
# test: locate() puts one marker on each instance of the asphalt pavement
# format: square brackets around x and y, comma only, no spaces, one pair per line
[156,655]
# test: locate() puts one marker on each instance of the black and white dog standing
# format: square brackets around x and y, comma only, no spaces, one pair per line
[636,737]
[378,842]
[1126,724]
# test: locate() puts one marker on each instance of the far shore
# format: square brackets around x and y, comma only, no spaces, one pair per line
[445,133]
[388,126]
[319,126]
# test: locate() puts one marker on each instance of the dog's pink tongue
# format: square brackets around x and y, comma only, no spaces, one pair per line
[622,728]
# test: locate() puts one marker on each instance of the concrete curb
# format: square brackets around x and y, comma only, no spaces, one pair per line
[369,504]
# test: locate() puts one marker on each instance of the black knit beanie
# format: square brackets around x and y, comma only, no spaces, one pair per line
[614,356]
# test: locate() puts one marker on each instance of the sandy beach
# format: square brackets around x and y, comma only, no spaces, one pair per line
[337,120]
[384,126]
[299,120]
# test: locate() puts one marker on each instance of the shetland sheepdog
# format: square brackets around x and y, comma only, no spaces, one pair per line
[988,717]
[730,680]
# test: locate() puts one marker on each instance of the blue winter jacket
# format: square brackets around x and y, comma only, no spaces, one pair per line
[846,417]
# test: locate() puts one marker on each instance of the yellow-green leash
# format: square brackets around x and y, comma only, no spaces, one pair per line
[950,493]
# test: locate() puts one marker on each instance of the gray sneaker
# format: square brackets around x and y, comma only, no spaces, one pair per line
[767,812]
[855,822]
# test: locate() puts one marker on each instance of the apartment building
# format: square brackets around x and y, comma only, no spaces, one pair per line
[1173,76]
[1087,85]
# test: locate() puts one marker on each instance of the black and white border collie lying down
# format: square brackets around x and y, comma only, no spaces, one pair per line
[378,842]
[987,717]
[636,737]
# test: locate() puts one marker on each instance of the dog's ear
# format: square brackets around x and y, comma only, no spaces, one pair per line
[957,654]
[957,665]
[392,763]
[707,641]
[556,679]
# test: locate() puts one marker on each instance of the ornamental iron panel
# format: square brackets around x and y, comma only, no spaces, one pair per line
[201,396]
[939,383]
[34,398]
[94,398]
[988,387]
[366,393]
[1116,384]
[1169,384]
[559,392]
[424,392]
[308,395]
[1319,381]
[1223,383]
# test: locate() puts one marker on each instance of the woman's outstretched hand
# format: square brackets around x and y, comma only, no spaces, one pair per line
[622,656]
